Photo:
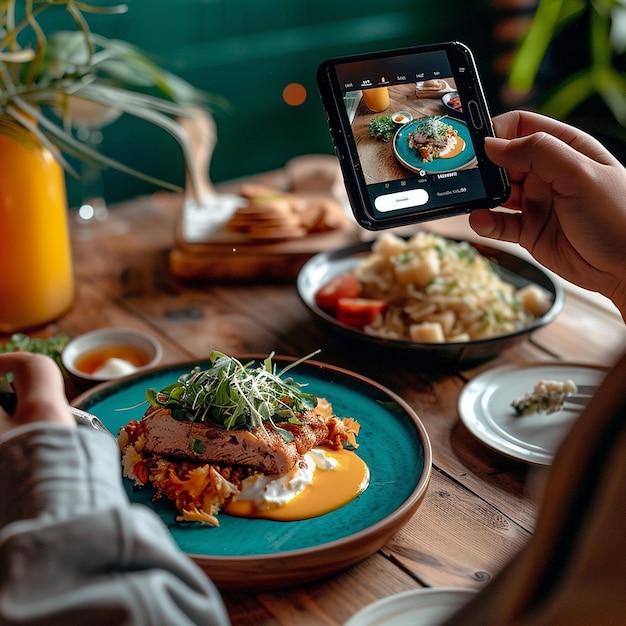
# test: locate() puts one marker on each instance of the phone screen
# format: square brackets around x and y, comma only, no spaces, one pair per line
[409,127]
[8,400]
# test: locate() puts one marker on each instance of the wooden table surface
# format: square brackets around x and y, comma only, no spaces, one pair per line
[479,506]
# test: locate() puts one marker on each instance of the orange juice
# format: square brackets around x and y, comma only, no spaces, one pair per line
[36,277]
[376,99]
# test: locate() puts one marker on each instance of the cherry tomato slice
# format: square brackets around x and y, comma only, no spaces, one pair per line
[342,286]
[359,312]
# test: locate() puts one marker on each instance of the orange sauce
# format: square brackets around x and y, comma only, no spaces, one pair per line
[458,148]
[95,359]
[329,490]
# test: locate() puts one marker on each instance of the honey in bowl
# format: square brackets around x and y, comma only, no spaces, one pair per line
[96,359]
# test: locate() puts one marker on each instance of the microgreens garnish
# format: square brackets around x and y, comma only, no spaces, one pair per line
[233,395]
[51,347]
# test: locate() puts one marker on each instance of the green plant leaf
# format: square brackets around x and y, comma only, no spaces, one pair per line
[233,395]
[611,87]
[195,445]
[551,16]
[569,94]
[79,63]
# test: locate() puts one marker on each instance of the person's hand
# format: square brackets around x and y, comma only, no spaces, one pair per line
[38,384]
[569,198]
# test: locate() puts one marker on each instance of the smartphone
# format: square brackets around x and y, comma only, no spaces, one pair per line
[8,399]
[408,128]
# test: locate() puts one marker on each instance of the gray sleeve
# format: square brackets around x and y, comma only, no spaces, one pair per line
[74,550]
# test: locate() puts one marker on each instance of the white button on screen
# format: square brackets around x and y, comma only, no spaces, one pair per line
[401,200]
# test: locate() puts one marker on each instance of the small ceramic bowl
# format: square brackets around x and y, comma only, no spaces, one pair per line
[110,353]
[399,118]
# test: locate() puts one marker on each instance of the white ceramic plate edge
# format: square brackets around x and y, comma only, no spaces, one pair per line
[426,607]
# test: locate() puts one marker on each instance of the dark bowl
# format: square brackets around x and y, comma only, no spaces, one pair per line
[325,265]
[448,99]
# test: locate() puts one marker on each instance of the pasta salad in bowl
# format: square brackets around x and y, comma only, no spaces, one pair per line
[453,301]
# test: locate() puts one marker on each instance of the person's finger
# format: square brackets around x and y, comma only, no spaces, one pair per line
[515,124]
[5,422]
[496,225]
[34,375]
[516,198]
[548,158]
[38,385]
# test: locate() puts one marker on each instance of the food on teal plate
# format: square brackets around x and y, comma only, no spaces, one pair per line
[243,439]
[434,139]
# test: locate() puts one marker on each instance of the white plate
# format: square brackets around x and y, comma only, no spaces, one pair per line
[426,607]
[485,408]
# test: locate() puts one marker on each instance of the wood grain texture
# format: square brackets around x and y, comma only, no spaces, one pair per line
[478,538]
[479,508]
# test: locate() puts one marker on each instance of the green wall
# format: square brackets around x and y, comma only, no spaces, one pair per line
[247,51]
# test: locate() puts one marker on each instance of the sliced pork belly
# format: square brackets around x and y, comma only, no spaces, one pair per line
[263,450]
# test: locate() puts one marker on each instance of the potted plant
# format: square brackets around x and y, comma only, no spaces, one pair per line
[79,73]
[51,84]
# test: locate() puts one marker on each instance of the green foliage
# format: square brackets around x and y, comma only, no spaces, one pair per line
[605,42]
[51,347]
[381,127]
[47,76]
[233,395]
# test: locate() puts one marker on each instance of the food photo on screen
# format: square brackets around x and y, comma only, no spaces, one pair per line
[411,137]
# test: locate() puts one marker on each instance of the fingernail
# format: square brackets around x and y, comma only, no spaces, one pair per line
[495,142]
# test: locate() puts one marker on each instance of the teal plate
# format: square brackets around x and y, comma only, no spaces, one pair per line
[266,554]
[411,160]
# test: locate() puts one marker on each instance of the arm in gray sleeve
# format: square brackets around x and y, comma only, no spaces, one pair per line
[74,550]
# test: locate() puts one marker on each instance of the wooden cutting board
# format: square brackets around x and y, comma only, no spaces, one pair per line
[206,250]
[281,260]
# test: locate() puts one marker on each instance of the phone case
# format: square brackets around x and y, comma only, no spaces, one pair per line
[408,128]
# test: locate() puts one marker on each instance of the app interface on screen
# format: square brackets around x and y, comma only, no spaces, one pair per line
[410,132]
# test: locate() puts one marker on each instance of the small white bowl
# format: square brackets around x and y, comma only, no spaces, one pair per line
[400,118]
[110,353]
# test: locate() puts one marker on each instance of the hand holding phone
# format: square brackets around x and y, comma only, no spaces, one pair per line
[408,128]
[31,390]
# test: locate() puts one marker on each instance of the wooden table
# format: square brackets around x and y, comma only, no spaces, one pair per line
[479,506]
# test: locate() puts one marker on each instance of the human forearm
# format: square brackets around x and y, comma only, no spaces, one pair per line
[56,471]
[73,548]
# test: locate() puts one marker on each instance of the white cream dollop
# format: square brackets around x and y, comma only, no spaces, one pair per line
[322,460]
[115,367]
[268,492]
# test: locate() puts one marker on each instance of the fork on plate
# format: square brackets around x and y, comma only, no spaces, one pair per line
[581,396]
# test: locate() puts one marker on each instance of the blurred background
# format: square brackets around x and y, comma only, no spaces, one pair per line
[249,51]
